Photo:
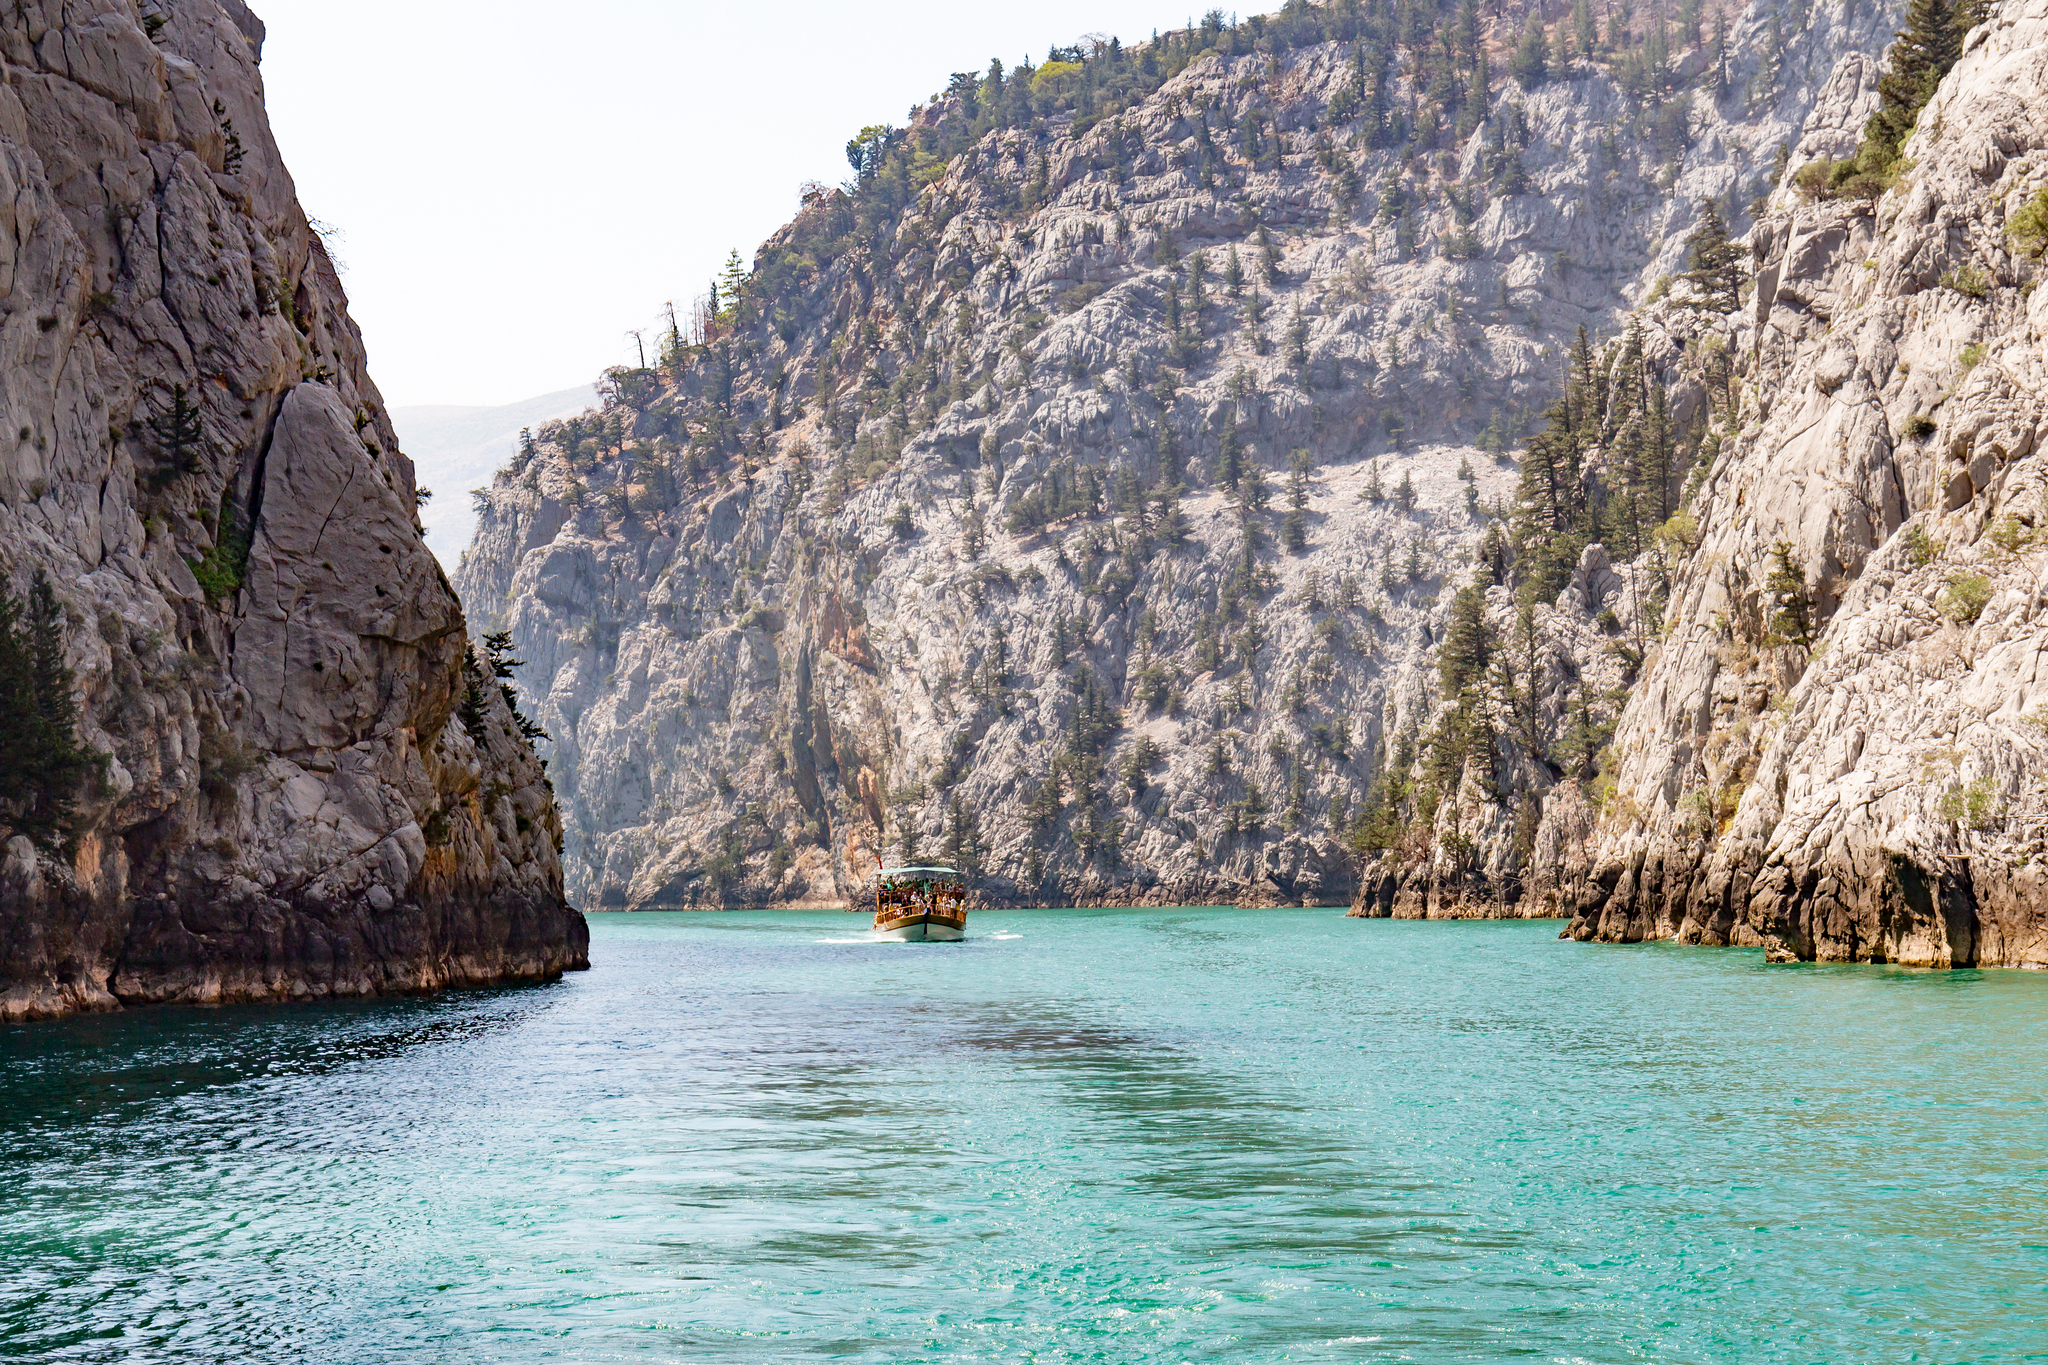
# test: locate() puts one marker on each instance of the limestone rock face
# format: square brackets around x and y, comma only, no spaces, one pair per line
[266,656]
[1881,796]
[769,651]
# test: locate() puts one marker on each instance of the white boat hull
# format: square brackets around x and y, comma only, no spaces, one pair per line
[922,931]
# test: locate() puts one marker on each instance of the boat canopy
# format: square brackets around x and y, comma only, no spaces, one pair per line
[919,872]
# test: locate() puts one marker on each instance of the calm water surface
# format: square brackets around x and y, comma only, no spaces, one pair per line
[1184,1135]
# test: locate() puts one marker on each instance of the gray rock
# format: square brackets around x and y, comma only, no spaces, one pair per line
[1885,794]
[754,685]
[289,806]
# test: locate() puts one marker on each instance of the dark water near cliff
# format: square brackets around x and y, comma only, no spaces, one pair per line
[1195,1135]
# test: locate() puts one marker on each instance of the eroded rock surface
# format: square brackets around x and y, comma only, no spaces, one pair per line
[289,806]
[760,676]
[1881,798]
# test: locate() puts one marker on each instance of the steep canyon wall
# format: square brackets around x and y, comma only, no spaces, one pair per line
[282,800]
[1879,795]
[1091,513]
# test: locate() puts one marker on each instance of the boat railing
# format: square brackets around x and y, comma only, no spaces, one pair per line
[944,898]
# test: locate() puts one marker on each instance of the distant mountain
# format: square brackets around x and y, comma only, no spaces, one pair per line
[1088,493]
[455,449]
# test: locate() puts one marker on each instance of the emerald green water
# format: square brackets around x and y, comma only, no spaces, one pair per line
[1124,1136]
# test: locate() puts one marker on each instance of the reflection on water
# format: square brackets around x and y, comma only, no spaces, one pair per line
[1180,1135]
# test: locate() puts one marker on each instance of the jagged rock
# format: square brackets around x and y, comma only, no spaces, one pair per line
[758,678]
[1891,784]
[289,805]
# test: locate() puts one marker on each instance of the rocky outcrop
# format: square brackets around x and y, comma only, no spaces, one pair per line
[1879,795]
[757,613]
[268,662]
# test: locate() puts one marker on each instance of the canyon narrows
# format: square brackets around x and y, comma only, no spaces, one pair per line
[1082,492]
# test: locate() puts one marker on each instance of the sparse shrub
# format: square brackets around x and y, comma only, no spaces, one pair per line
[1922,549]
[223,761]
[1965,598]
[1975,805]
[1920,426]
[1855,177]
[2011,535]
[2028,227]
[220,570]
[1968,280]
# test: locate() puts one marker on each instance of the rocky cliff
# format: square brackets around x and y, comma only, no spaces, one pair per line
[1874,791]
[1083,492]
[281,798]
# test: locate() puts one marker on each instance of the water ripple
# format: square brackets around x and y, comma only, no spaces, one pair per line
[1160,1136]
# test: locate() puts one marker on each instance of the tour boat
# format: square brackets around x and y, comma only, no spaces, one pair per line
[921,904]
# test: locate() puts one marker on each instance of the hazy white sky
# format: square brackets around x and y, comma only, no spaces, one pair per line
[516,184]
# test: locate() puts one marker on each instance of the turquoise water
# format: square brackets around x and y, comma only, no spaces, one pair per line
[1122,1136]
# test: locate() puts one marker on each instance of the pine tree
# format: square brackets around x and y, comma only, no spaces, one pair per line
[18,735]
[1689,22]
[1467,650]
[1921,55]
[1582,27]
[1467,31]
[733,278]
[41,761]
[497,664]
[1297,340]
[1715,261]
[1478,97]
[1229,455]
[1374,490]
[1530,63]
[1794,619]
[1658,446]
[1585,390]
[1624,489]
[973,533]
[1294,530]
[179,434]
[1551,515]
